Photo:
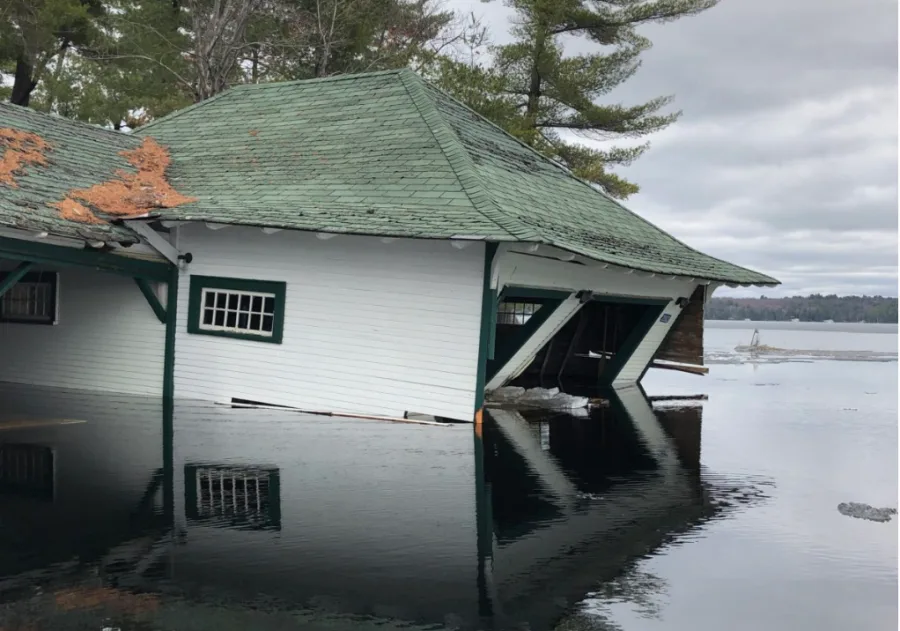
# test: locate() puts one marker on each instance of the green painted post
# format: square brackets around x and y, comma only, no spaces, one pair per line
[15,276]
[171,320]
[484,523]
[487,306]
[168,402]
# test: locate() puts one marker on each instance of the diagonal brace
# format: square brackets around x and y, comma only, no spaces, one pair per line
[14,276]
[154,302]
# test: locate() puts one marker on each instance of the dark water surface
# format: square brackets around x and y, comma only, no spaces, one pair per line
[714,517]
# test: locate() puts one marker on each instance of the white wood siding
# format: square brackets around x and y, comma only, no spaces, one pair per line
[107,338]
[633,369]
[384,498]
[369,327]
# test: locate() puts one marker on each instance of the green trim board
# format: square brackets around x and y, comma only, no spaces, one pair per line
[492,331]
[488,315]
[631,343]
[519,291]
[629,300]
[22,250]
[152,299]
[276,288]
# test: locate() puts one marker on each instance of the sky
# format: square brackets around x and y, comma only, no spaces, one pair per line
[785,157]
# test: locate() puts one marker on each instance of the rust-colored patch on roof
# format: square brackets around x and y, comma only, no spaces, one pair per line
[254,132]
[129,193]
[80,598]
[20,149]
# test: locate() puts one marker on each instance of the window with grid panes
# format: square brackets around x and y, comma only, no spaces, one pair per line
[516,313]
[233,307]
[32,300]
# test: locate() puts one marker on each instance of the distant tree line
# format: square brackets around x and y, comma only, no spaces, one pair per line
[814,308]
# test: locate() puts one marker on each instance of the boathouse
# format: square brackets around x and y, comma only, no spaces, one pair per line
[361,244]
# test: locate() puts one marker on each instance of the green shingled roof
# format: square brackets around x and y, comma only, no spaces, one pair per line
[380,154]
[388,154]
[79,156]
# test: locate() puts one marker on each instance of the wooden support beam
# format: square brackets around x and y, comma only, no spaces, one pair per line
[579,331]
[525,350]
[152,299]
[14,276]
[694,370]
[488,309]
[155,240]
[50,254]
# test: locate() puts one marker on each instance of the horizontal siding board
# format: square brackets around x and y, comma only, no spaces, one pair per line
[107,339]
[437,375]
[370,327]
[334,370]
[329,397]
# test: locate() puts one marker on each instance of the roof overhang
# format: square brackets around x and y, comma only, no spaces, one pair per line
[48,250]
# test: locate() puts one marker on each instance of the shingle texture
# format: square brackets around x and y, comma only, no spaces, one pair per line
[77,156]
[381,154]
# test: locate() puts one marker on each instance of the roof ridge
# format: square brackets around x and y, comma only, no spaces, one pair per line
[459,159]
[266,84]
[568,173]
[184,110]
[56,117]
[334,77]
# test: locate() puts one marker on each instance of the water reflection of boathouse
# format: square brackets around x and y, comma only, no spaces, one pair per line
[421,524]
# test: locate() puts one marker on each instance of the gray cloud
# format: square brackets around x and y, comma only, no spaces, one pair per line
[785,158]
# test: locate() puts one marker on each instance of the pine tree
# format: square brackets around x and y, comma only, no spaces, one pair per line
[36,34]
[146,58]
[548,99]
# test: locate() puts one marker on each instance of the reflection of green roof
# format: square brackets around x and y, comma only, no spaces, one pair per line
[79,156]
[381,154]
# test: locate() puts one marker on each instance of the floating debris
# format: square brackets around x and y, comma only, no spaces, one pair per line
[864,511]
[773,354]
[542,398]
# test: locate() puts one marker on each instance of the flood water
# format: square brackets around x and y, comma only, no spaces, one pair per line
[716,515]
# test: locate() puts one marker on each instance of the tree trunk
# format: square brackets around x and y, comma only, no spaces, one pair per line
[57,73]
[24,83]
[534,86]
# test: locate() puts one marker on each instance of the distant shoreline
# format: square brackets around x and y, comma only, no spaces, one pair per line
[837,327]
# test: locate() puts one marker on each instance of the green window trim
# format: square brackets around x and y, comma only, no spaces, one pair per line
[277,289]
